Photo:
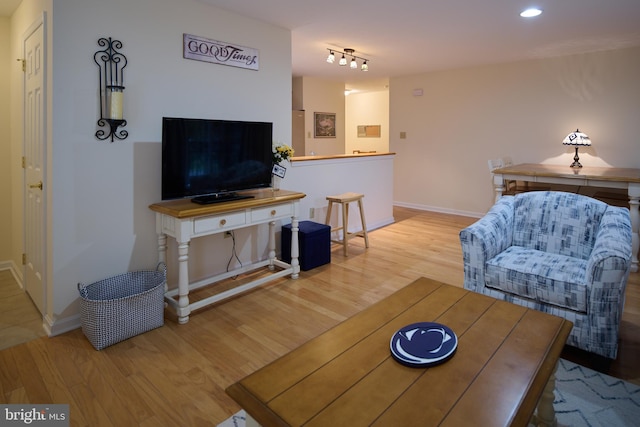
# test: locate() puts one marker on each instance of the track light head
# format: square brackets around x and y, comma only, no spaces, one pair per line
[331,58]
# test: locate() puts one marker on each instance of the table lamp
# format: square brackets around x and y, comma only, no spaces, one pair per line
[577,139]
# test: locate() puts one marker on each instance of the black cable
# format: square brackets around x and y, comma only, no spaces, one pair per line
[233,252]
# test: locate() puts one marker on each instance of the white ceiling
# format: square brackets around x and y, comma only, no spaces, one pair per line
[404,37]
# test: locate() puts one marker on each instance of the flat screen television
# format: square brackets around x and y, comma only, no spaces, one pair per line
[211,160]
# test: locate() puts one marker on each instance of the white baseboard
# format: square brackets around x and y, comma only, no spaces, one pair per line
[15,271]
[380,224]
[440,210]
[62,325]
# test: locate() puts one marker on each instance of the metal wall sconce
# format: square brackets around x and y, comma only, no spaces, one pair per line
[111,64]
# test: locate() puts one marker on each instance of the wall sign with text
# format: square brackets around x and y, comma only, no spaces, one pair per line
[217,52]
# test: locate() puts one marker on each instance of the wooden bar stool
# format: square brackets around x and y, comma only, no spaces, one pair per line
[344,200]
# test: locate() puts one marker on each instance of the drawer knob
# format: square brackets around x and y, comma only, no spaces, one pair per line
[223,221]
[273,212]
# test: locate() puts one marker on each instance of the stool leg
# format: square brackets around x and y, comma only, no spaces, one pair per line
[328,220]
[345,225]
[364,224]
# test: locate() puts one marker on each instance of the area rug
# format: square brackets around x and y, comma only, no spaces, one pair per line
[583,398]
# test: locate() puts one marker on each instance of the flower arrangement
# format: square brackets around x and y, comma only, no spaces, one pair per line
[281,152]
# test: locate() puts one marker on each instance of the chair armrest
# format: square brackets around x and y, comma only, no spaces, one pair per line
[484,239]
[608,268]
[610,258]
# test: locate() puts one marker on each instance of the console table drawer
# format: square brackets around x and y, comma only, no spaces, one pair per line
[271,212]
[218,222]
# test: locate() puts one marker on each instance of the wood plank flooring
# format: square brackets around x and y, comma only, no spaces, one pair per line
[177,374]
[20,320]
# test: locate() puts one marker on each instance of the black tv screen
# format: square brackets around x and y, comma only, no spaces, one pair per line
[211,157]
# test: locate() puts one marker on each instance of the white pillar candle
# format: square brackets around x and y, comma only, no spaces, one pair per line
[115,107]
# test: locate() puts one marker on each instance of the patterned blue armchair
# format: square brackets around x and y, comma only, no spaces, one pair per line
[561,253]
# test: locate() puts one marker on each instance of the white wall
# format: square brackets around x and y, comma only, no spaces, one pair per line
[5,146]
[367,108]
[368,175]
[523,110]
[323,96]
[100,191]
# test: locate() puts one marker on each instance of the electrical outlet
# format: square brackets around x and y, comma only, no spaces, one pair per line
[312,212]
[227,234]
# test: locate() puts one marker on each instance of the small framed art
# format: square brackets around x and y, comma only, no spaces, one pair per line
[324,125]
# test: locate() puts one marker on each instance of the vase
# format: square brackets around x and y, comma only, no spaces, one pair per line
[275,182]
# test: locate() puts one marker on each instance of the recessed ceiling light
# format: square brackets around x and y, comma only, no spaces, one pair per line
[530,13]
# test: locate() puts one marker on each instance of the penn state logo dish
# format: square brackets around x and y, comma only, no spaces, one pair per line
[423,344]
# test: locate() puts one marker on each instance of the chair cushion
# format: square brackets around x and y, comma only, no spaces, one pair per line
[556,222]
[541,276]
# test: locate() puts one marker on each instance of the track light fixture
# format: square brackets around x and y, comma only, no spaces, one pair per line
[343,61]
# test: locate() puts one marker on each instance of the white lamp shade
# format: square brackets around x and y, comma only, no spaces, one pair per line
[331,58]
[343,61]
[577,138]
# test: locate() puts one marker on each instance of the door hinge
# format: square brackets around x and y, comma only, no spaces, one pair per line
[24,64]
[24,162]
[24,259]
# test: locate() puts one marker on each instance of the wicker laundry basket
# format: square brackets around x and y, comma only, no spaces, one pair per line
[123,306]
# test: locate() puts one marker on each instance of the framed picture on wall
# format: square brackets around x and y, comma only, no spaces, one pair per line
[369,131]
[324,125]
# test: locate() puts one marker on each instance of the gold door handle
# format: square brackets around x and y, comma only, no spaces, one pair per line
[38,185]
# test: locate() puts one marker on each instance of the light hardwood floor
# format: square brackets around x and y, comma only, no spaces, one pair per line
[20,320]
[176,374]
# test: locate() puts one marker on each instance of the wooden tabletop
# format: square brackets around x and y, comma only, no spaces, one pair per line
[185,208]
[347,377]
[588,172]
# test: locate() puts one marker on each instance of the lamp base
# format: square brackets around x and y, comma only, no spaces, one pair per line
[576,162]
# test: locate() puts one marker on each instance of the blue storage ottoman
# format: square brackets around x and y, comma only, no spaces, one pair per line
[314,241]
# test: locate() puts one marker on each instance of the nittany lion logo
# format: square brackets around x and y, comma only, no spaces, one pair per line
[423,344]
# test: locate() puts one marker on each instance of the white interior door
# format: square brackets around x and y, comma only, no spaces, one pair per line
[34,158]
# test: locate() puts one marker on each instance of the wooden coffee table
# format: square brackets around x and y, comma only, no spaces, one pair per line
[505,359]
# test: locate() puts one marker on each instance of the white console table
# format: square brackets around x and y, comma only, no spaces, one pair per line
[624,178]
[184,220]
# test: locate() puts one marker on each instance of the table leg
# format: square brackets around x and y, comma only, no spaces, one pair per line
[634,211]
[183,309]
[272,244]
[295,251]
[498,186]
[546,415]
[162,253]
